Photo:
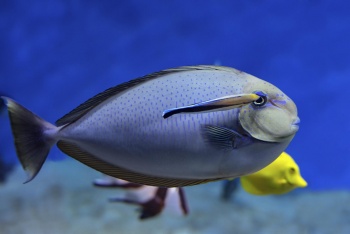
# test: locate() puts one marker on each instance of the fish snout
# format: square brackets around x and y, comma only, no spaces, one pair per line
[301,183]
[295,124]
[296,121]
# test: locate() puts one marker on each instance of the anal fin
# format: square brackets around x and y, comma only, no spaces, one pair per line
[92,161]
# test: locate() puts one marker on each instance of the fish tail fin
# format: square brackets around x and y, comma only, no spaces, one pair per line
[33,137]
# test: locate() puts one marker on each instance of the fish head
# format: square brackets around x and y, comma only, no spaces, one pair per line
[294,178]
[290,173]
[273,117]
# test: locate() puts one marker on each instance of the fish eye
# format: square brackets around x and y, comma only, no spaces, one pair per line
[262,99]
[292,170]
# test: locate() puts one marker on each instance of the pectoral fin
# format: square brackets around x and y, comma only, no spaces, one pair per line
[224,138]
[227,102]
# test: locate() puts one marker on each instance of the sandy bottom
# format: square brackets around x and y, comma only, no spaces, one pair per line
[62,200]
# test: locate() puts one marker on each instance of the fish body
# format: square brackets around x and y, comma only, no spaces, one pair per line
[173,128]
[279,177]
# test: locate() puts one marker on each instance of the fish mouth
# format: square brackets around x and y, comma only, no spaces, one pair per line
[295,125]
[296,121]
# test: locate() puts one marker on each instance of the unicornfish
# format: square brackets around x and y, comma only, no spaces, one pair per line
[173,128]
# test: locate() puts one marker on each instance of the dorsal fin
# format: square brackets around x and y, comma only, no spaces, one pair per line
[85,107]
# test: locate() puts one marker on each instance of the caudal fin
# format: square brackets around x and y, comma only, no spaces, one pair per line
[33,137]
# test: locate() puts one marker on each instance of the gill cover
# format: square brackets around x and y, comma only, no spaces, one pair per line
[270,119]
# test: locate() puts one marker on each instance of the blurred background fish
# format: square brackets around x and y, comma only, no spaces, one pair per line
[279,177]
[5,168]
[152,200]
[6,165]
[2,105]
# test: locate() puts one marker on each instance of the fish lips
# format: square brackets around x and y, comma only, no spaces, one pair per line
[295,125]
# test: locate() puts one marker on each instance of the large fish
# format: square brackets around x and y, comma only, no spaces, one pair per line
[173,128]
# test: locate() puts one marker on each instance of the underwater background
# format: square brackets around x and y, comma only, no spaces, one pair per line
[56,54]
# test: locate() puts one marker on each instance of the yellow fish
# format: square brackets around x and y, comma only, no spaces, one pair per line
[281,176]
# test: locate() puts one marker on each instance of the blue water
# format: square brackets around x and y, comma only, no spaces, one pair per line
[56,54]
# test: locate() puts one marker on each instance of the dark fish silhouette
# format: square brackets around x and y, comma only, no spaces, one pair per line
[151,200]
